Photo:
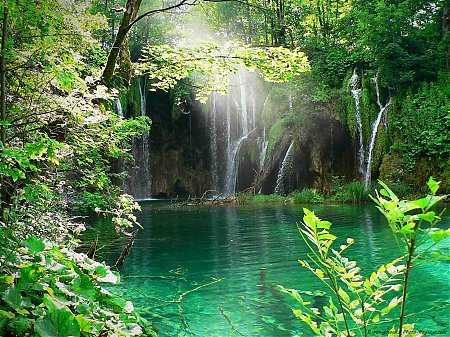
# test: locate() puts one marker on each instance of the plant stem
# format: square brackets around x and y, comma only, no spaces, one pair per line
[339,300]
[405,286]
[364,318]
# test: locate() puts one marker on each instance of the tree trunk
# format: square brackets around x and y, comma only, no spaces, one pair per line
[131,9]
[3,77]
[3,191]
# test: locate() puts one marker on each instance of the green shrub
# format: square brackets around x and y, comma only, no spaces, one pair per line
[306,196]
[262,198]
[354,192]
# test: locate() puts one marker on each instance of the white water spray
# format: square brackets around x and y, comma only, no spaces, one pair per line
[213,135]
[356,94]
[119,107]
[367,176]
[285,171]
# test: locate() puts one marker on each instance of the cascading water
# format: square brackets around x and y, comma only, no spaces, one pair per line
[234,121]
[147,180]
[231,171]
[213,135]
[118,106]
[285,172]
[264,142]
[244,108]
[356,94]
[367,175]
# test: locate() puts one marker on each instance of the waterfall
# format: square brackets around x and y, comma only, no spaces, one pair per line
[375,125]
[244,109]
[262,155]
[118,107]
[264,141]
[356,94]
[232,167]
[213,135]
[253,106]
[142,95]
[146,174]
[285,171]
[235,121]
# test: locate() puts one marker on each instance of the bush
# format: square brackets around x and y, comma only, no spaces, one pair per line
[354,192]
[306,196]
[262,198]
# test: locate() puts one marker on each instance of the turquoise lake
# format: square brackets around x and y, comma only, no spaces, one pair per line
[214,270]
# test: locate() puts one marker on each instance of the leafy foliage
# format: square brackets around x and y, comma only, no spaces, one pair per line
[306,196]
[213,63]
[51,291]
[423,128]
[365,302]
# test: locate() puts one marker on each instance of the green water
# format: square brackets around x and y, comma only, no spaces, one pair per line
[228,260]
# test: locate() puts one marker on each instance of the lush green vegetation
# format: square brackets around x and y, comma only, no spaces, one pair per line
[63,63]
[364,304]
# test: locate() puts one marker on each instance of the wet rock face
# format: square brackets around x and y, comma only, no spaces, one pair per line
[173,178]
[326,151]
[177,151]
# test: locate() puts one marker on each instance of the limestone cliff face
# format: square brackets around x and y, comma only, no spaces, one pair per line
[173,160]
[324,151]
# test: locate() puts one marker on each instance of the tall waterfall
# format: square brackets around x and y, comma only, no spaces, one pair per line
[264,142]
[234,120]
[356,94]
[146,174]
[244,108]
[285,172]
[213,139]
[367,175]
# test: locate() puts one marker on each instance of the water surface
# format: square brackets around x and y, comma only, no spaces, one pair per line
[214,270]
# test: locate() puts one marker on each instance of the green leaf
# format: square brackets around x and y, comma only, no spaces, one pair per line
[58,323]
[14,297]
[34,245]
[421,203]
[7,314]
[297,312]
[429,216]
[83,286]
[408,228]
[433,185]
[344,296]
[439,234]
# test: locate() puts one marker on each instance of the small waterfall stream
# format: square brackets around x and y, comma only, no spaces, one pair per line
[244,108]
[237,134]
[147,179]
[356,94]
[367,176]
[231,169]
[285,172]
[213,140]
[118,106]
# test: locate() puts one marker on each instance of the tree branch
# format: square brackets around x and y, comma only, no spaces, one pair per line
[160,10]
